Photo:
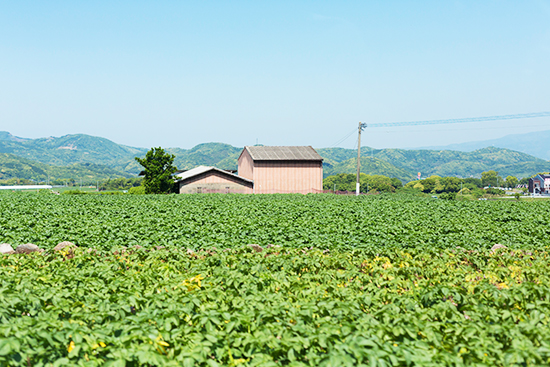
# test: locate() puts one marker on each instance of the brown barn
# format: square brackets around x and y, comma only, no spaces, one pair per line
[212,180]
[282,169]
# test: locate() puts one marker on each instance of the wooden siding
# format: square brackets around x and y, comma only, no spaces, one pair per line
[246,166]
[213,181]
[287,177]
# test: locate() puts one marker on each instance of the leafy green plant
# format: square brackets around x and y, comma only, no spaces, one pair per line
[162,280]
[400,307]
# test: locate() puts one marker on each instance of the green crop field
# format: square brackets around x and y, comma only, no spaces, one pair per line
[351,281]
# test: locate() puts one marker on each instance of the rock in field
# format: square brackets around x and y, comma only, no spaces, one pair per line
[6,249]
[256,248]
[27,249]
[496,247]
[60,246]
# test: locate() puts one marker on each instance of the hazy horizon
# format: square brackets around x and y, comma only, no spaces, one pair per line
[447,147]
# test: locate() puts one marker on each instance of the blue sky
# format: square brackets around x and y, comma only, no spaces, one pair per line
[180,73]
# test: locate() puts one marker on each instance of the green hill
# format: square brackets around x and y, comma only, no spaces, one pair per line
[12,166]
[80,148]
[71,149]
[464,164]
[221,155]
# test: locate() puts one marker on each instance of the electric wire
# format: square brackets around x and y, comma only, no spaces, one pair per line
[343,139]
[460,129]
[463,120]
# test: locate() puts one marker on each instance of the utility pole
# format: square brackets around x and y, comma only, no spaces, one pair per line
[357,184]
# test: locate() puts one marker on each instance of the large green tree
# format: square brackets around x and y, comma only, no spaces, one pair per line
[158,169]
[511,181]
[491,178]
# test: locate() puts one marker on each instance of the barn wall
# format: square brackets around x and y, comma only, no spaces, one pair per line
[213,181]
[246,166]
[288,177]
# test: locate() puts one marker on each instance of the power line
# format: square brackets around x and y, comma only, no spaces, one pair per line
[460,129]
[463,120]
[343,139]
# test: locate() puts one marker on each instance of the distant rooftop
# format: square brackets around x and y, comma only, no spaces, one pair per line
[202,169]
[293,153]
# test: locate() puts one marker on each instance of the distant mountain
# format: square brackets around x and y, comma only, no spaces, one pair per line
[536,144]
[71,149]
[12,166]
[405,164]
[464,164]
[4,135]
[80,148]
[80,151]
[221,155]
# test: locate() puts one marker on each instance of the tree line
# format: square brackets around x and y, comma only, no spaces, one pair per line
[490,183]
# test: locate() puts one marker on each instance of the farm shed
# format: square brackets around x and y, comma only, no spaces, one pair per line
[540,184]
[294,169]
[211,180]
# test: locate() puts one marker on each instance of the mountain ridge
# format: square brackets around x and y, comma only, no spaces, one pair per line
[401,163]
[12,166]
[533,143]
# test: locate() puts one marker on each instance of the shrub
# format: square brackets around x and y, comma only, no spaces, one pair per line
[138,190]
[447,195]
[494,191]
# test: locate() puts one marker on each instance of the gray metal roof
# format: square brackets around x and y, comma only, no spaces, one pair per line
[301,153]
[202,169]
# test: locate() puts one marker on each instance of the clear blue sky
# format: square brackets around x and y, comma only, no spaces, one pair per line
[180,73]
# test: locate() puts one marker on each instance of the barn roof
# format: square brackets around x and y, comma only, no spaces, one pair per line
[203,169]
[292,153]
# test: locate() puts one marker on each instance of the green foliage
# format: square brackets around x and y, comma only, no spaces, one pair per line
[16,181]
[465,191]
[437,185]
[386,280]
[372,183]
[491,178]
[495,191]
[121,183]
[137,190]
[473,182]
[158,167]
[401,307]
[511,181]
[225,221]
[448,196]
